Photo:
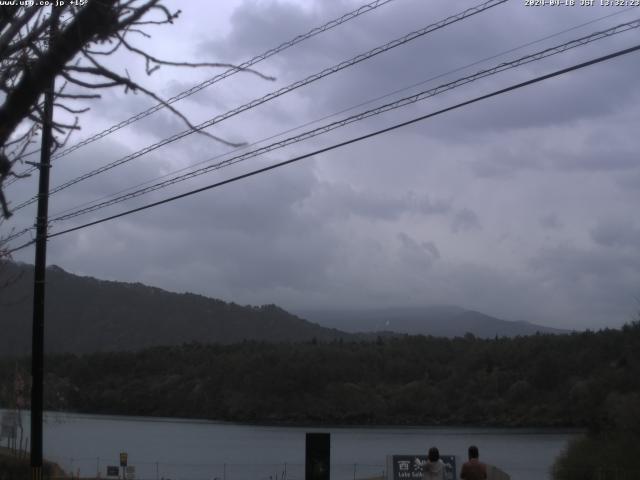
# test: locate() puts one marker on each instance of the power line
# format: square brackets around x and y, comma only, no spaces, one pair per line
[335,22]
[381,109]
[270,96]
[227,73]
[348,142]
[367,102]
[361,116]
[18,234]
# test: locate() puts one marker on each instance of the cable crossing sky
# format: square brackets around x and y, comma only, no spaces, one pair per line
[344,110]
[363,115]
[275,94]
[351,141]
[227,73]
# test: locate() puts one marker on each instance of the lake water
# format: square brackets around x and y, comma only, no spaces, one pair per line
[190,450]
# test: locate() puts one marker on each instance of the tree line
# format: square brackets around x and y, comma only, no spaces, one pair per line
[576,380]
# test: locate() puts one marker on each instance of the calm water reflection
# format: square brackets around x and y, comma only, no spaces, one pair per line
[185,449]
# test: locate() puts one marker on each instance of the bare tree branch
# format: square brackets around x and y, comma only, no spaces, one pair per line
[95,20]
[159,61]
[30,61]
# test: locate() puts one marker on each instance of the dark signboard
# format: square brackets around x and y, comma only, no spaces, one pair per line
[113,471]
[317,456]
[410,467]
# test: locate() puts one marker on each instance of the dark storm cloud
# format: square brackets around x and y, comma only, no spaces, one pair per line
[550,221]
[506,206]
[595,158]
[340,199]
[596,284]
[576,264]
[246,237]
[599,147]
[599,90]
[257,27]
[465,220]
[617,234]
[417,253]
[630,180]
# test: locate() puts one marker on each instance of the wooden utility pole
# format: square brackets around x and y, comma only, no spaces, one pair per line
[37,338]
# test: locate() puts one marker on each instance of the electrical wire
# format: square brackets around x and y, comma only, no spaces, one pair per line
[227,73]
[101,202]
[275,94]
[348,142]
[361,116]
[353,107]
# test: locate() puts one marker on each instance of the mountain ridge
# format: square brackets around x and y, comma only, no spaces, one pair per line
[86,315]
[436,320]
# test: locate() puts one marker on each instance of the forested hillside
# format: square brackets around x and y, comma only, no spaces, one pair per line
[543,380]
[84,314]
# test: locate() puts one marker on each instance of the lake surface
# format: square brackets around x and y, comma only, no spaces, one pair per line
[190,450]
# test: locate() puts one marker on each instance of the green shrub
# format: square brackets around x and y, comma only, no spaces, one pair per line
[607,456]
[13,468]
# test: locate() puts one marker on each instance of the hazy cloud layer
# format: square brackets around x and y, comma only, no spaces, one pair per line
[522,206]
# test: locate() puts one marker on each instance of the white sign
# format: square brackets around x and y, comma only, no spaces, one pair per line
[130,472]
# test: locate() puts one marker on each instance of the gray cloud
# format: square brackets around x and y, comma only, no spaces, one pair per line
[617,234]
[436,53]
[550,221]
[414,253]
[522,206]
[591,283]
[339,199]
[465,220]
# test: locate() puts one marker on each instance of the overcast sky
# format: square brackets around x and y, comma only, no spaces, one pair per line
[524,206]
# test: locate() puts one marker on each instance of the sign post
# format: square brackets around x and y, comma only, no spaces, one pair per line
[123,463]
[411,467]
[113,471]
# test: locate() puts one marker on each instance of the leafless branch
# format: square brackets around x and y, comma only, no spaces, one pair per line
[30,60]
[151,58]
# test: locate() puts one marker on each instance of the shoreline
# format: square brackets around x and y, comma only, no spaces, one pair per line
[531,429]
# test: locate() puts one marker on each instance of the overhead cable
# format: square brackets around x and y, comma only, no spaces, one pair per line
[221,76]
[334,114]
[347,142]
[275,94]
[360,116]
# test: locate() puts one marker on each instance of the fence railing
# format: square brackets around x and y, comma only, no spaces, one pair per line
[96,467]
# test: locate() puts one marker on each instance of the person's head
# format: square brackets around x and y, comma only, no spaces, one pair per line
[434,454]
[473,452]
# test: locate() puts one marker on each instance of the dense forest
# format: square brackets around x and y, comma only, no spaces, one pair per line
[107,316]
[579,380]
[115,316]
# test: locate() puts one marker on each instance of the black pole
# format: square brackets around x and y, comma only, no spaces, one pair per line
[317,456]
[37,346]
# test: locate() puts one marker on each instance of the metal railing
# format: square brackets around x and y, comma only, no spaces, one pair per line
[96,467]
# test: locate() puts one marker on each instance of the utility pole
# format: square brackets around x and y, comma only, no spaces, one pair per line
[37,338]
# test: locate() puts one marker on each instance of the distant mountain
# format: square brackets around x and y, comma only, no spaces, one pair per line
[84,315]
[439,321]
